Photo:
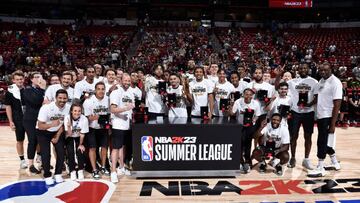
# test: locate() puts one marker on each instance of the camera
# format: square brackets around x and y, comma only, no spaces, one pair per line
[162,87]
[261,95]
[284,110]
[204,111]
[224,104]
[303,100]
[248,117]
[235,95]
[104,121]
[171,99]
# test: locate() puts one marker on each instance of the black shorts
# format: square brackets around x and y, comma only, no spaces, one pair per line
[344,108]
[97,138]
[118,137]
[307,120]
[19,131]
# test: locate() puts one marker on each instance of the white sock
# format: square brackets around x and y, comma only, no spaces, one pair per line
[333,159]
[321,163]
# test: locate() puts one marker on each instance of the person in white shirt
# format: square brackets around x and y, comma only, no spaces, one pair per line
[86,87]
[122,102]
[66,79]
[274,141]
[75,126]
[50,130]
[178,109]
[153,100]
[280,103]
[213,77]
[94,107]
[201,91]
[247,111]
[134,85]
[222,90]
[258,85]
[239,85]
[110,80]
[98,73]
[302,114]
[329,90]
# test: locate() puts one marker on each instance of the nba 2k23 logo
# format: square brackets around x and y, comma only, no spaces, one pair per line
[253,187]
[147,148]
[177,148]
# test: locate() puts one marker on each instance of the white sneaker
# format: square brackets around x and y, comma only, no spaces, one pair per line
[333,166]
[49,181]
[317,172]
[307,164]
[58,178]
[274,162]
[123,171]
[73,175]
[113,177]
[23,164]
[80,174]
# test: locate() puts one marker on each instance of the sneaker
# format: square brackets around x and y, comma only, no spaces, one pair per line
[80,174]
[23,164]
[262,167]
[104,171]
[32,169]
[123,171]
[278,170]
[113,177]
[307,164]
[242,168]
[73,175]
[58,178]
[317,172]
[292,163]
[95,174]
[38,159]
[352,124]
[345,125]
[358,124]
[49,181]
[246,168]
[274,162]
[333,166]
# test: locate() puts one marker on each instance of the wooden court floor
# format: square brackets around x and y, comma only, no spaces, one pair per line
[293,186]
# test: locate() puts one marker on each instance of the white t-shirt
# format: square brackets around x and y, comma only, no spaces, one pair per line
[83,86]
[303,85]
[213,79]
[279,135]
[50,92]
[108,86]
[94,106]
[80,126]
[262,86]
[180,108]
[224,91]
[327,90]
[50,112]
[137,92]
[200,91]
[242,86]
[240,106]
[286,101]
[153,98]
[120,98]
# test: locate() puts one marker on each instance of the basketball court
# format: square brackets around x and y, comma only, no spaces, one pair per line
[293,186]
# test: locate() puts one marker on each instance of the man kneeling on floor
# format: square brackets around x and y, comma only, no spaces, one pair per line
[273,144]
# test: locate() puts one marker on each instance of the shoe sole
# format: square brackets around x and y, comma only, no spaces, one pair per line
[331,169]
[315,175]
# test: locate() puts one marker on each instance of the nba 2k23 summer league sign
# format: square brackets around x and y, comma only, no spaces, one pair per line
[186,147]
[255,187]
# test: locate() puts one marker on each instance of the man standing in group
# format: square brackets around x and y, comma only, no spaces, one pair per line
[50,130]
[302,91]
[14,112]
[329,92]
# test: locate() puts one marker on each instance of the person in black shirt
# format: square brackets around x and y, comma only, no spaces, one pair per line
[33,98]
[14,112]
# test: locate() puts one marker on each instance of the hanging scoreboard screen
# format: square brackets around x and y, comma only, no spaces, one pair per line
[290,3]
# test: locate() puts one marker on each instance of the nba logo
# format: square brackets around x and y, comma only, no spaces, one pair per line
[146,148]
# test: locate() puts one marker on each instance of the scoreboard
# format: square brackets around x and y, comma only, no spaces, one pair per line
[290,3]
